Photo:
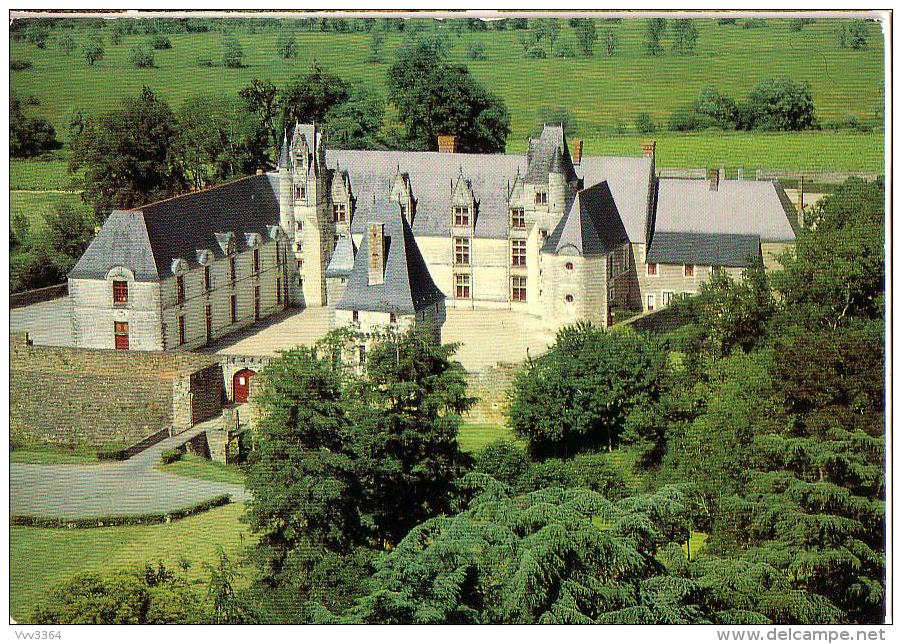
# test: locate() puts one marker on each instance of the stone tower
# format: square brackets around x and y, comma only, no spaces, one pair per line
[306,214]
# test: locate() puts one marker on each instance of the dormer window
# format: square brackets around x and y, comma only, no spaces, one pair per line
[461,216]
[256,260]
[208,281]
[542,198]
[403,210]
[518,219]
[180,289]
[120,292]
[339,212]
[300,191]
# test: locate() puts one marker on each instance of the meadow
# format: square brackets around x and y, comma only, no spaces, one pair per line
[41,559]
[34,205]
[603,94]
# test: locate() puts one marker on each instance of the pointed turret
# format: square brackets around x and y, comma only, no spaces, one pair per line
[284,156]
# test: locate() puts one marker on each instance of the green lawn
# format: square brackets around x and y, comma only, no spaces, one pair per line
[52,457]
[40,559]
[472,437]
[32,174]
[200,468]
[603,93]
[36,204]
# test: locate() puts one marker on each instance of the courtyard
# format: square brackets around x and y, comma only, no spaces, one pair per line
[486,337]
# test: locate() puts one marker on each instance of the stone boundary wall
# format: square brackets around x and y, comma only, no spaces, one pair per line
[491,388]
[102,398]
[17,300]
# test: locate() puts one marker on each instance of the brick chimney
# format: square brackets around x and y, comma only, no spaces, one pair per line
[714,179]
[576,151]
[447,143]
[648,148]
[377,253]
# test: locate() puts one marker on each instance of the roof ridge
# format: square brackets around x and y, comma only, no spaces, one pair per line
[188,194]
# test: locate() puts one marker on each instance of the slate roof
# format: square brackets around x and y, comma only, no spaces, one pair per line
[707,249]
[592,225]
[149,238]
[407,286]
[342,261]
[432,175]
[737,207]
[544,155]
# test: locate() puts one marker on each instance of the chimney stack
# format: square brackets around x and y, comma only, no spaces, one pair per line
[714,178]
[576,153]
[447,143]
[648,148]
[377,253]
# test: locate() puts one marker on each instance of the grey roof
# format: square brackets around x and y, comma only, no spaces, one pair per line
[284,157]
[342,258]
[149,238]
[705,249]
[432,175]
[122,241]
[592,226]
[548,153]
[407,287]
[737,207]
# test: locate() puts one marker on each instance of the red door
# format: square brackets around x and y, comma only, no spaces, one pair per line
[241,385]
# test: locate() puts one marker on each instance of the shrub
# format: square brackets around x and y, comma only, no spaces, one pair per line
[476,51]
[726,21]
[556,115]
[67,44]
[205,62]
[232,53]
[779,104]
[112,455]
[37,35]
[797,24]
[161,42]
[287,47]
[686,119]
[564,51]
[170,456]
[93,53]
[753,23]
[590,471]
[644,124]
[536,51]
[503,461]
[853,35]
[141,57]
[18,64]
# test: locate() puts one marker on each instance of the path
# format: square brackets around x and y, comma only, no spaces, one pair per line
[123,488]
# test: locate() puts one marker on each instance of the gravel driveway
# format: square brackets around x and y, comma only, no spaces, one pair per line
[104,489]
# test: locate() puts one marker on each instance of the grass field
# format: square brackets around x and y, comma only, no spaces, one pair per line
[472,437]
[52,457]
[40,559]
[603,93]
[198,467]
[36,204]
[33,174]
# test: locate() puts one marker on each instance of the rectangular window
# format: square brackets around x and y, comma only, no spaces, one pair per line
[462,286]
[610,266]
[208,279]
[233,269]
[651,269]
[279,291]
[180,289]
[256,260]
[120,334]
[256,302]
[462,251]
[355,316]
[518,288]
[403,210]
[120,292]
[300,190]
[688,270]
[233,308]
[392,318]
[181,329]
[208,314]
[461,216]
[666,297]
[650,302]
[518,219]
[541,198]
[518,252]
[339,212]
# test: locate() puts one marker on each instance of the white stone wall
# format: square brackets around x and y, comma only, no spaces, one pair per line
[219,298]
[584,284]
[93,312]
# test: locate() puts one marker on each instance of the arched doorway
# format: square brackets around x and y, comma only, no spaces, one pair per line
[241,385]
